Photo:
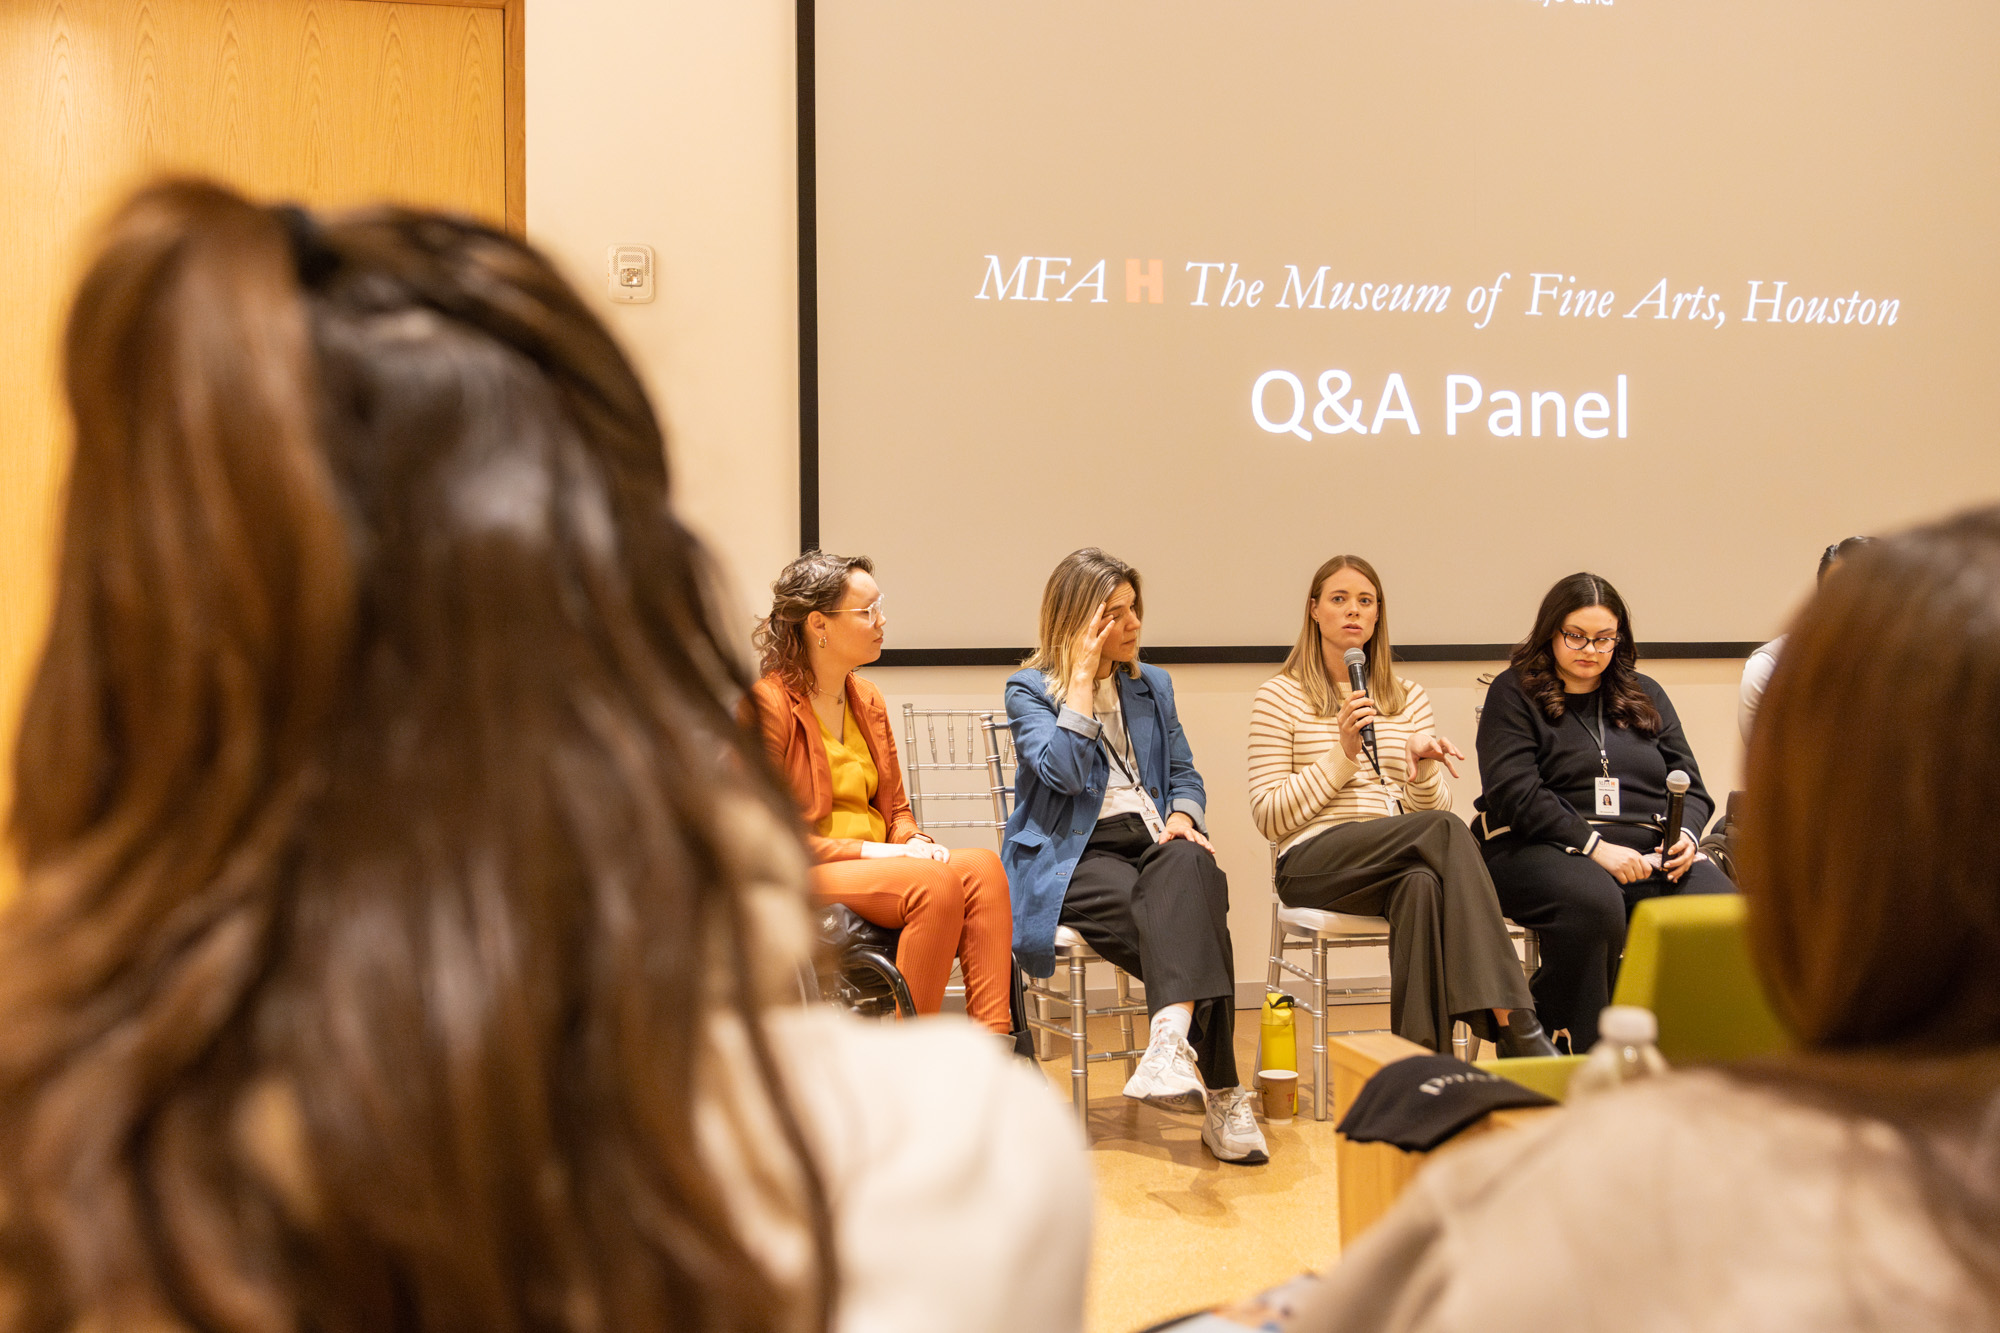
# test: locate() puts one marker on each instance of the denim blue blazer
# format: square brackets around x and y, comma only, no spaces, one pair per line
[1059,788]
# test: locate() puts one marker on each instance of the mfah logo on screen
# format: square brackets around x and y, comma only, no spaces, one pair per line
[1227,285]
[1282,404]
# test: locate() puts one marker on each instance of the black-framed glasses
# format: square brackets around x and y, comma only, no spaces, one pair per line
[1576,642]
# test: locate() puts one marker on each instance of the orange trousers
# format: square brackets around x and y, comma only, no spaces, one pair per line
[957,909]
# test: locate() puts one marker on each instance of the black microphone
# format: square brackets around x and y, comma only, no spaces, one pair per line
[1677,791]
[1357,680]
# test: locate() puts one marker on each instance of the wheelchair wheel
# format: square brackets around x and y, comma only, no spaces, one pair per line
[868,984]
[1716,848]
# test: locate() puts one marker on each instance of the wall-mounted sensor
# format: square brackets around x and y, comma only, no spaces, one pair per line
[631,274]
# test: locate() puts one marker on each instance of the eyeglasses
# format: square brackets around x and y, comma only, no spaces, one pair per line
[1576,642]
[871,614]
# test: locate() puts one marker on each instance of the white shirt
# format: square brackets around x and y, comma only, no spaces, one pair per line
[959,1183]
[958,1180]
[1124,794]
[1756,677]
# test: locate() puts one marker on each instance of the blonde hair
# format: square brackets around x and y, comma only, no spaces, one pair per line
[1307,663]
[1081,582]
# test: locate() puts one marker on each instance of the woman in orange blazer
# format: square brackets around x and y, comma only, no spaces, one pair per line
[827,730]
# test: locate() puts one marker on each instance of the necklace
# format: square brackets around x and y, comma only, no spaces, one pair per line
[834,701]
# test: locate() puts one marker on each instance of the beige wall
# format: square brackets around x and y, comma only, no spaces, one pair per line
[669,122]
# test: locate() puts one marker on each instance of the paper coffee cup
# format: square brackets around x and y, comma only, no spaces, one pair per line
[1281,1094]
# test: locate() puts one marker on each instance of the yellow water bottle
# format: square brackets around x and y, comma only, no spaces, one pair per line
[1277,1036]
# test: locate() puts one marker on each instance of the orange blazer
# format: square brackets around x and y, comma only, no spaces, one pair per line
[790,730]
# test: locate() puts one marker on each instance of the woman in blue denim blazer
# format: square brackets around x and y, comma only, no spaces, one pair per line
[1107,839]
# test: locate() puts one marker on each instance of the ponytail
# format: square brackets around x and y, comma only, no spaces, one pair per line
[225,592]
[202,616]
[389,848]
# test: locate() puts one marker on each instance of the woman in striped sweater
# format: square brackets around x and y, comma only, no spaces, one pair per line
[1382,841]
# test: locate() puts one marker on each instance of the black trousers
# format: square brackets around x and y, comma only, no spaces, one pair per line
[1449,955]
[1579,911]
[1160,910]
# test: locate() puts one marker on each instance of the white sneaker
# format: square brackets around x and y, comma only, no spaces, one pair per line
[1166,1076]
[1230,1132]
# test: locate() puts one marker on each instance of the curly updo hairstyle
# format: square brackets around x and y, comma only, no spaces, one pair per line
[816,581]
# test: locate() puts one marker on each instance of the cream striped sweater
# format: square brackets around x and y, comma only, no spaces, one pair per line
[1302,782]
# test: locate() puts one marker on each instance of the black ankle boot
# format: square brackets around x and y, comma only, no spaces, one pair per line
[1523,1036]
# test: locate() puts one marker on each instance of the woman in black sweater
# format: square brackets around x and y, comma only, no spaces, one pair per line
[1574,751]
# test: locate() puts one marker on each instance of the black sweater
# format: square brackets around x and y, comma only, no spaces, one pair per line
[1540,776]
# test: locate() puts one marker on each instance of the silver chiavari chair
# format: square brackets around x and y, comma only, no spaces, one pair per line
[1073,957]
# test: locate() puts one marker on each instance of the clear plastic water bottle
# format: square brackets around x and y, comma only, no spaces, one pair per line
[1625,1051]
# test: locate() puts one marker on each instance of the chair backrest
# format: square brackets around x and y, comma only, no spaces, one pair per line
[1484,681]
[1000,764]
[947,762]
[1687,959]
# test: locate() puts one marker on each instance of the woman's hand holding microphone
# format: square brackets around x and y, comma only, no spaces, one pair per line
[1356,713]
[1359,711]
[1629,867]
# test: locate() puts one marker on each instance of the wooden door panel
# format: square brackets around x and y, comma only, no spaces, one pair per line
[328,102]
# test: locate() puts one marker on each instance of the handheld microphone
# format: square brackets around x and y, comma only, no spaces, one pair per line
[1677,790]
[1357,680]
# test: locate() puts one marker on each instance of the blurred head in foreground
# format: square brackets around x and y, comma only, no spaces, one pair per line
[1868,861]
[374,797]
[1874,780]
[1830,558]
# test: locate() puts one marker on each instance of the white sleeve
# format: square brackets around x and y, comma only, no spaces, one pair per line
[1756,676]
[961,1190]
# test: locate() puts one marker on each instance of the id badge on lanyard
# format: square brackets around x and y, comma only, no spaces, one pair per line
[1607,786]
[1148,811]
[1607,797]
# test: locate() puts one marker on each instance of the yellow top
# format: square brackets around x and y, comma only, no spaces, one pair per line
[854,784]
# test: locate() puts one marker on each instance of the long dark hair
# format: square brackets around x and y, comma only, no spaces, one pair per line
[1873,894]
[379,915]
[1534,659]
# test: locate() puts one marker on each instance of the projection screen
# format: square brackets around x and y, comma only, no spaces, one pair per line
[1488,291]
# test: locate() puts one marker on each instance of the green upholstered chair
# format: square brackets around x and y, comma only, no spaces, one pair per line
[1688,960]
[1546,1074]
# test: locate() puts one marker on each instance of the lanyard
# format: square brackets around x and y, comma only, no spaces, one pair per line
[1598,735]
[1128,763]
